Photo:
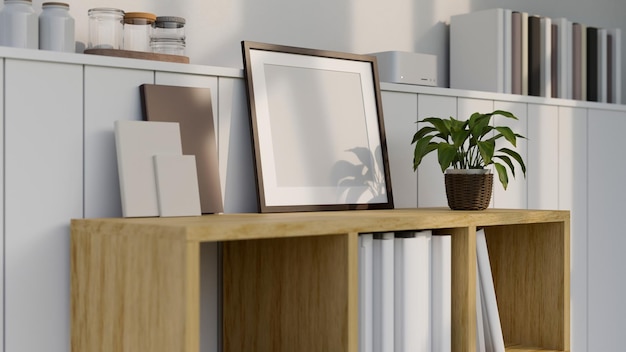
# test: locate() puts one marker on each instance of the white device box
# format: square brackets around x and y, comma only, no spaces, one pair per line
[407,68]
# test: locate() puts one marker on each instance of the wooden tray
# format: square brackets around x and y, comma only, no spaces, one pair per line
[139,55]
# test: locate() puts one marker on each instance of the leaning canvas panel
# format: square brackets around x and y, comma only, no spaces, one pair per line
[177,185]
[136,143]
[192,108]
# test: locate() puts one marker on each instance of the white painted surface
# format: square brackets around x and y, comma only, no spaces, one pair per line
[43,191]
[572,196]
[235,148]
[516,194]
[2,249]
[431,191]
[400,112]
[543,157]
[606,242]
[111,94]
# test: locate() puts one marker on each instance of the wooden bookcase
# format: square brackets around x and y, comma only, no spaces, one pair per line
[290,281]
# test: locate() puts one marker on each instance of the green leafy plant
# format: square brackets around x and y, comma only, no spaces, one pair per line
[469,144]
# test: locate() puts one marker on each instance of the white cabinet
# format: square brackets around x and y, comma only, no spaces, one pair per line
[110,94]
[543,156]
[400,112]
[43,189]
[431,190]
[516,194]
[235,148]
[607,238]
[573,197]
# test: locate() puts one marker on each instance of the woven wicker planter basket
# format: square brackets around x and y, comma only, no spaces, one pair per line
[469,191]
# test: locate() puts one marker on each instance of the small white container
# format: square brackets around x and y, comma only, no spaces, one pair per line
[137,30]
[106,28]
[56,27]
[19,24]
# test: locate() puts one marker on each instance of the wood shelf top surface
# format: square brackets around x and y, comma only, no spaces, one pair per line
[227,227]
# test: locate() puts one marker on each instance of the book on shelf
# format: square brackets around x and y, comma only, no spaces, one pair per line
[441,255]
[592,64]
[534,55]
[480,324]
[524,53]
[545,68]
[383,296]
[494,339]
[602,65]
[562,58]
[366,288]
[577,54]
[615,67]
[554,61]
[479,64]
[412,291]
[516,52]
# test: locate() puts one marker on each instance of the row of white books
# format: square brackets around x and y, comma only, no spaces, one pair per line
[405,294]
[506,51]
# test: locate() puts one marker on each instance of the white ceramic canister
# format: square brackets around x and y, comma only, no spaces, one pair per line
[56,27]
[19,24]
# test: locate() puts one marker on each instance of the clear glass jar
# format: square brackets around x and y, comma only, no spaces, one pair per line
[19,24]
[138,30]
[56,27]
[106,28]
[168,35]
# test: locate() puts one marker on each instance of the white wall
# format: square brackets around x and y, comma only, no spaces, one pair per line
[215,27]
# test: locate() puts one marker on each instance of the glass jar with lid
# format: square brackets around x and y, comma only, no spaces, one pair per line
[168,35]
[56,27]
[19,25]
[138,30]
[106,28]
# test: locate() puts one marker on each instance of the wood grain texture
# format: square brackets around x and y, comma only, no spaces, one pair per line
[530,268]
[290,281]
[288,294]
[128,291]
[139,55]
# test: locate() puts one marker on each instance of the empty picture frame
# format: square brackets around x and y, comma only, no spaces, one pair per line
[317,129]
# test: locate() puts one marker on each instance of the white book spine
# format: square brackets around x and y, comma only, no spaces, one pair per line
[489,293]
[471,68]
[546,57]
[366,290]
[441,293]
[569,82]
[383,337]
[583,61]
[524,53]
[412,292]
[507,51]
[480,315]
[602,66]
[564,57]
[617,65]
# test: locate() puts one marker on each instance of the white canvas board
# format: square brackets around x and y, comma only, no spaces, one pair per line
[136,143]
[177,185]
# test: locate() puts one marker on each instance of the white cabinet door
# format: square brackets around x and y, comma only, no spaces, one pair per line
[235,148]
[573,197]
[2,207]
[400,113]
[110,94]
[543,157]
[431,191]
[516,194]
[607,237]
[43,191]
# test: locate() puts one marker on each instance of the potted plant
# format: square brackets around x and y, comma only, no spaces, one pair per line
[464,150]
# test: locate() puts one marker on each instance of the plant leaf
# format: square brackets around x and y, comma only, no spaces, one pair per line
[439,124]
[507,133]
[502,175]
[508,161]
[423,132]
[515,156]
[487,149]
[422,147]
[446,154]
[505,114]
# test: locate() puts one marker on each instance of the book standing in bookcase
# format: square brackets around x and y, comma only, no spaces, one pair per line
[504,51]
